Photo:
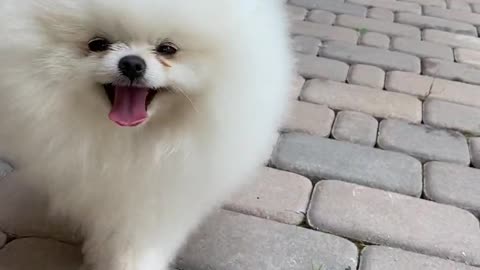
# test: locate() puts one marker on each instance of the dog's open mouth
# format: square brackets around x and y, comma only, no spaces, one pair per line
[129,104]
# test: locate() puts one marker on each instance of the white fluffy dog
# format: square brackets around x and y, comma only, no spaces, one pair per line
[139,116]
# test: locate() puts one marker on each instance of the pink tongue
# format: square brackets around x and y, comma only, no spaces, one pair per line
[129,106]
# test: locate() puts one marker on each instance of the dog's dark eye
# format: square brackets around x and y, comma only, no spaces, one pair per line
[167,49]
[98,45]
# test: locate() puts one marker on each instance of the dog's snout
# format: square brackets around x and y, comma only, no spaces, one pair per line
[132,66]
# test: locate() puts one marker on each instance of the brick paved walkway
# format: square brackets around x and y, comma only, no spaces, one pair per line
[375,167]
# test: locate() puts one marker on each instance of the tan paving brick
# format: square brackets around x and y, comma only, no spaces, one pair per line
[308,118]
[382,104]
[375,40]
[408,83]
[422,48]
[262,197]
[395,220]
[372,25]
[457,92]
[381,14]
[387,60]
[452,116]
[391,5]
[318,67]
[366,75]
[321,16]
[436,23]
[450,70]
[451,39]
[324,32]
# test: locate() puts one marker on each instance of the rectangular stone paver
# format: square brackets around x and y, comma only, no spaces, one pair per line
[275,195]
[457,92]
[382,104]
[453,116]
[381,14]
[435,3]
[321,16]
[467,56]
[451,39]
[453,184]
[374,39]
[234,241]
[408,83]
[423,142]
[436,23]
[384,59]
[308,118]
[422,48]
[332,6]
[310,66]
[459,5]
[320,158]
[297,86]
[324,32]
[389,28]
[380,217]
[451,71]
[306,45]
[383,258]
[453,15]
[356,128]
[391,5]
[296,13]
[366,75]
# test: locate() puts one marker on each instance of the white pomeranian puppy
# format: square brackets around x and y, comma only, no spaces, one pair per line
[137,117]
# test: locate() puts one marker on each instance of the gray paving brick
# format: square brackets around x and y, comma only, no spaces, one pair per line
[382,258]
[366,75]
[319,67]
[372,25]
[308,118]
[321,16]
[306,45]
[320,158]
[375,40]
[5,169]
[297,86]
[262,197]
[355,127]
[347,97]
[451,115]
[457,92]
[296,13]
[453,15]
[435,3]
[332,6]
[391,5]
[422,48]
[423,142]
[467,56]
[237,242]
[408,83]
[436,23]
[384,59]
[459,5]
[475,8]
[380,217]
[324,32]
[450,70]
[32,253]
[451,39]
[453,184]
[381,14]
[475,151]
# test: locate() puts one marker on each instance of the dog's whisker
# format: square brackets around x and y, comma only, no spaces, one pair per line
[188,98]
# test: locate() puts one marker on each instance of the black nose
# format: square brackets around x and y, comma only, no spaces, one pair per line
[133,67]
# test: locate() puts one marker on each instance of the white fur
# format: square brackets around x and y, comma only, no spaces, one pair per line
[137,192]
